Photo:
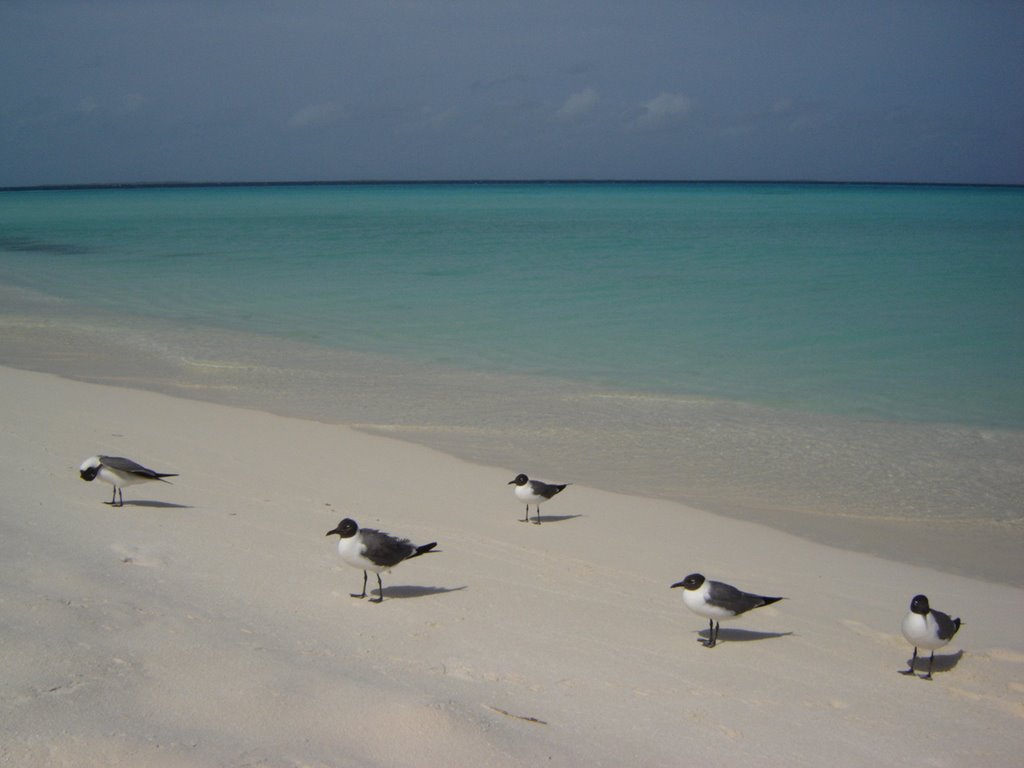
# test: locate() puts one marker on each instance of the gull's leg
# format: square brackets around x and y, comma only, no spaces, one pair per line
[364,588]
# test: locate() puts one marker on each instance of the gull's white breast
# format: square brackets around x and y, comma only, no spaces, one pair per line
[526,495]
[697,601]
[119,479]
[922,631]
[351,551]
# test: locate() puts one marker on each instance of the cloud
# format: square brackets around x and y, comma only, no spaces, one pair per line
[803,115]
[87,105]
[663,108]
[500,83]
[109,106]
[783,106]
[438,118]
[316,114]
[132,102]
[578,104]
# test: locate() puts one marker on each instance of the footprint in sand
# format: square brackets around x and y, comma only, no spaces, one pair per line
[1005,654]
[132,555]
[863,630]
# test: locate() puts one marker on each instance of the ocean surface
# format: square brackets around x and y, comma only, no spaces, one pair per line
[797,354]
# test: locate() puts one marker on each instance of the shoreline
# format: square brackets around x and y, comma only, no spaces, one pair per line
[898,491]
[209,621]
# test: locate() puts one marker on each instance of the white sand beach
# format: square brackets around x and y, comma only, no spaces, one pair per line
[209,622]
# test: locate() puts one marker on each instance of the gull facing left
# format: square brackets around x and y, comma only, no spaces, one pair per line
[717,602]
[374,550]
[534,492]
[119,472]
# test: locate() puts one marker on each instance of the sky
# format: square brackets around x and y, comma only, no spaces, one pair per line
[150,91]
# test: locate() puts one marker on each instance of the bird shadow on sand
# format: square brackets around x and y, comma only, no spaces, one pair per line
[943,663]
[402,592]
[741,635]
[149,503]
[551,519]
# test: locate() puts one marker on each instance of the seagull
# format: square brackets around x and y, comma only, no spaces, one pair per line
[718,602]
[534,492]
[928,629]
[119,472]
[374,550]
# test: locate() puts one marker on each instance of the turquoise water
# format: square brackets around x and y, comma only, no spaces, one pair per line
[842,362]
[902,303]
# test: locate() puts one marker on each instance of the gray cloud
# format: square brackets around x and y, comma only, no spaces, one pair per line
[662,109]
[323,113]
[578,104]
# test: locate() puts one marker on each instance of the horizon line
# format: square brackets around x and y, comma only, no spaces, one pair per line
[497,181]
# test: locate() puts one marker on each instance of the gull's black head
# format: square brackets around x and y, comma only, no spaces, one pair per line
[90,468]
[520,480]
[920,605]
[691,582]
[347,528]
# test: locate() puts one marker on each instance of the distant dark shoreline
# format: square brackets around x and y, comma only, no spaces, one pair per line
[496,182]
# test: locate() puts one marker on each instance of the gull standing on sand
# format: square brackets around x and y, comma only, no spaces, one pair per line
[534,492]
[928,629]
[119,472]
[718,602]
[374,550]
